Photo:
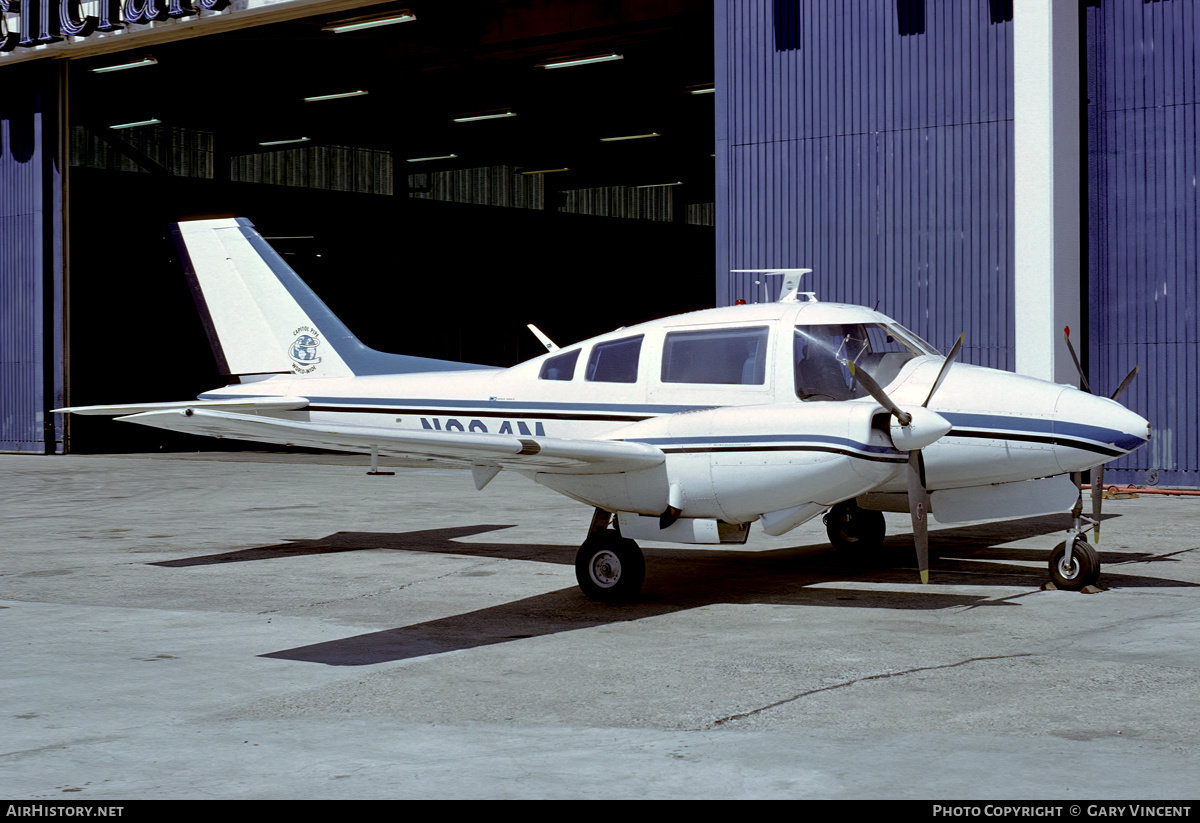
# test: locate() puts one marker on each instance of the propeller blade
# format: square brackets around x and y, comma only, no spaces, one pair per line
[1083,383]
[1097,500]
[875,390]
[918,508]
[1125,383]
[918,494]
[945,368]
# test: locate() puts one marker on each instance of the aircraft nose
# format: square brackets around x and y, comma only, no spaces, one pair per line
[1091,425]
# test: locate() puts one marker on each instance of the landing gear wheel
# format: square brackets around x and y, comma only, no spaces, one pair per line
[850,527]
[1083,570]
[610,567]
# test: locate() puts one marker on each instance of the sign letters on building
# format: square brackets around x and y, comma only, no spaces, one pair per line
[49,21]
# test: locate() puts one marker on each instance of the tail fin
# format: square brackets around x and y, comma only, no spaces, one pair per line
[262,319]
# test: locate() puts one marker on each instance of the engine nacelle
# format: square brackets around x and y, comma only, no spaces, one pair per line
[783,456]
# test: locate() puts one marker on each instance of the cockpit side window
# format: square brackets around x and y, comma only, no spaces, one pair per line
[735,357]
[560,367]
[615,362]
[822,352]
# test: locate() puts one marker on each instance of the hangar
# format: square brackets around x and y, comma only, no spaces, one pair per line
[444,173]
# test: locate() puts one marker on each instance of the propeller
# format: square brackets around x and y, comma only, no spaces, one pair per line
[1083,383]
[912,431]
[1098,472]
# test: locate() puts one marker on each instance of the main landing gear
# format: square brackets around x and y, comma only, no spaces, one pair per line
[609,567]
[850,527]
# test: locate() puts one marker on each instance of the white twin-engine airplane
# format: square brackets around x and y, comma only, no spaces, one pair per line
[685,429]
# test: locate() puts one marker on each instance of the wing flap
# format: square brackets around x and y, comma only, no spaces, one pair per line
[239,404]
[507,451]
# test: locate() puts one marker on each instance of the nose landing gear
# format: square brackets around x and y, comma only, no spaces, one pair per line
[1081,569]
[1074,564]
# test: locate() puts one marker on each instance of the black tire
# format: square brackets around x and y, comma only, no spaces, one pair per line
[610,567]
[850,527]
[1083,571]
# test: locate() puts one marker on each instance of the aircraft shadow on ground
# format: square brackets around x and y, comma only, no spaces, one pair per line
[682,579]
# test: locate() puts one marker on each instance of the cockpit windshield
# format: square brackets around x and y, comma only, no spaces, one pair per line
[821,354]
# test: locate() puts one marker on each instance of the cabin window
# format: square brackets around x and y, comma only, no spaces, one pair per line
[615,362]
[560,367]
[733,357]
[822,352]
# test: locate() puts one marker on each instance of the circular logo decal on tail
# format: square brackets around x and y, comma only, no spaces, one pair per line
[303,350]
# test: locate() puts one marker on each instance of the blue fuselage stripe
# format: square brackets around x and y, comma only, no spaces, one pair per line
[1000,427]
[775,442]
[970,425]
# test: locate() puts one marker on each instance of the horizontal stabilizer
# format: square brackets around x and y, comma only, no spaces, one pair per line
[507,451]
[240,404]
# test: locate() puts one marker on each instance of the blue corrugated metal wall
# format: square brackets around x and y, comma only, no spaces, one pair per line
[30,262]
[871,140]
[1144,224]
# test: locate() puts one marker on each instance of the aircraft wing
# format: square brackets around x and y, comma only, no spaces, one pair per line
[503,450]
[239,404]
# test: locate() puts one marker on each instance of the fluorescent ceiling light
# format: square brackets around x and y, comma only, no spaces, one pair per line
[135,64]
[284,142]
[545,171]
[659,185]
[360,23]
[467,118]
[704,88]
[338,96]
[580,61]
[629,137]
[431,157]
[151,122]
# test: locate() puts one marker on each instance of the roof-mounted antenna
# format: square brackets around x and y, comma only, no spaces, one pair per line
[790,291]
[550,345]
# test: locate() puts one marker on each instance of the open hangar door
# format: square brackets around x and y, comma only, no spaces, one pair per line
[357,155]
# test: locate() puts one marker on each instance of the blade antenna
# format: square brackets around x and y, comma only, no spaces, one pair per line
[550,345]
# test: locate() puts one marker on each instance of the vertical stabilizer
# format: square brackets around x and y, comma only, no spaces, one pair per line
[262,319]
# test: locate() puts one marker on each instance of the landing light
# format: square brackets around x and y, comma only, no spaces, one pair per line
[359,23]
[154,121]
[136,64]
[629,137]
[284,142]
[580,61]
[485,115]
[338,96]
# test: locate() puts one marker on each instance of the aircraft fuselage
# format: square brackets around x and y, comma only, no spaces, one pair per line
[748,423]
